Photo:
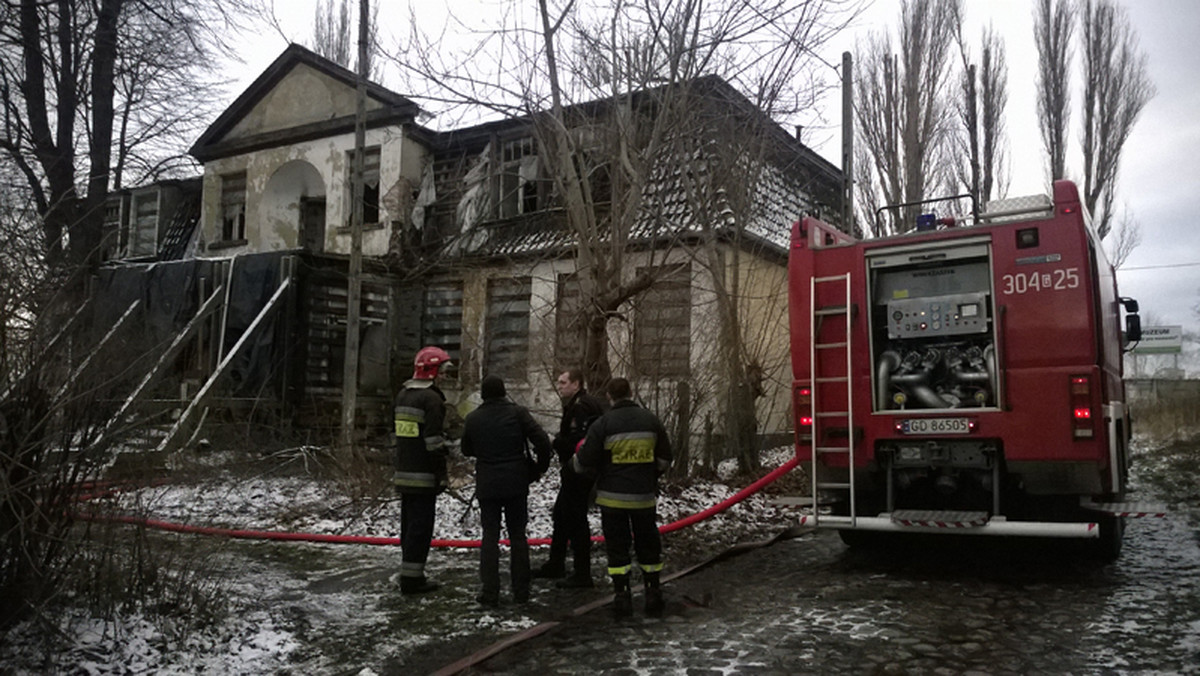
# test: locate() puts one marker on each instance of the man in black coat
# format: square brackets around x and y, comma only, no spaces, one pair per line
[570,513]
[628,449]
[495,434]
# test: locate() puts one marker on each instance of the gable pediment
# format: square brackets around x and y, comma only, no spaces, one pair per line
[300,96]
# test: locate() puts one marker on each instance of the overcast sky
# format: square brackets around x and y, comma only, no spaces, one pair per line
[1160,172]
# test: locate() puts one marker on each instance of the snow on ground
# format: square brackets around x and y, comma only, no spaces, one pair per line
[272,615]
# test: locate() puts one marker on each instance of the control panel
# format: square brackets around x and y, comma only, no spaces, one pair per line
[934,316]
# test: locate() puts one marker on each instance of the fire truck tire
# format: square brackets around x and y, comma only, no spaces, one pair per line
[1107,547]
[859,539]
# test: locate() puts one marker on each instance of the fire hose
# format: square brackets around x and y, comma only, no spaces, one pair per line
[238,533]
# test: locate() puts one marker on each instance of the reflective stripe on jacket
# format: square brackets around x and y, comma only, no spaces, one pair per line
[420,460]
[627,448]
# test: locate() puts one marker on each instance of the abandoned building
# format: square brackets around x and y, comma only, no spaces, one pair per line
[466,245]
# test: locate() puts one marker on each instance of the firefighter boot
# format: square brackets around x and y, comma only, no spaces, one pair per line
[654,596]
[417,585]
[622,597]
[553,569]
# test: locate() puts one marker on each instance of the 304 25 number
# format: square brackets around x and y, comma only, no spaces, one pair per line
[1058,279]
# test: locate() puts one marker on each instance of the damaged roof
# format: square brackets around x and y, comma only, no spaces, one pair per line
[794,182]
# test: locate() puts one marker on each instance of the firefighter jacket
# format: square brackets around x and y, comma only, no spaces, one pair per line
[628,449]
[420,457]
[496,434]
[580,411]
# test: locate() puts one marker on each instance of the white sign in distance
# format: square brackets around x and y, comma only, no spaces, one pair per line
[1160,340]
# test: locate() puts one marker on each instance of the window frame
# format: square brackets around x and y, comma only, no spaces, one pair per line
[233,198]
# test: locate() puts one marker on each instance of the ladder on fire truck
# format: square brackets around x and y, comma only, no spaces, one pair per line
[829,356]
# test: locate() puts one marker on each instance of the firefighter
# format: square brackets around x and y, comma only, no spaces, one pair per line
[628,449]
[570,513]
[496,434]
[420,461]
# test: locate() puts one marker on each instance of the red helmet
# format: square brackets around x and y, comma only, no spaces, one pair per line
[428,361]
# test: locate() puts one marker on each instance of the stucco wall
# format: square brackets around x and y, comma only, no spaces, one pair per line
[303,96]
[279,178]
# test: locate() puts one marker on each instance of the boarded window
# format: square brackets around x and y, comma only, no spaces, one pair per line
[570,332]
[233,207]
[370,184]
[506,350]
[441,320]
[662,330]
[143,228]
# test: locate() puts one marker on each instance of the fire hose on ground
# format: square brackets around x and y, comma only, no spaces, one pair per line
[239,533]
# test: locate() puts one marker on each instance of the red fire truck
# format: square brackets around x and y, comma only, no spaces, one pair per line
[963,379]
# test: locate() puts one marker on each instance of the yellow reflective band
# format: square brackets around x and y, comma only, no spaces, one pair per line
[414,479]
[626,449]
[407,428]
[626,500]
[619,570]
[651,567]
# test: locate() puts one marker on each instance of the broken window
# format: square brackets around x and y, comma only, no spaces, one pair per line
[662,330]
[441,319]
[570,332]
[143,226]
[370,185]
[506,348]
[519,184]
[233,207]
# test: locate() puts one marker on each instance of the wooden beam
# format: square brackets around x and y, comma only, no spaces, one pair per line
[214,301]
[103,341]
[46,349]
[206,390]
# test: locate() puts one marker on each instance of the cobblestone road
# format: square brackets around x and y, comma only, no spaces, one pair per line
[810,605]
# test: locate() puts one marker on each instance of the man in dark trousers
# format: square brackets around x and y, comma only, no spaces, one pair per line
[420,461]
[570,513]
[628,449]
[495,434]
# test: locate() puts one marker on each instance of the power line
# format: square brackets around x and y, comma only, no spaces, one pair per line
[1159,267]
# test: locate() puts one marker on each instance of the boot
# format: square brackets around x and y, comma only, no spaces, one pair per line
[576,582]
[551,569]
[622,598]
[654,596]
[417,585]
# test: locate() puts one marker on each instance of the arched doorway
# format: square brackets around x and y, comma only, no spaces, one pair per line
[293,207]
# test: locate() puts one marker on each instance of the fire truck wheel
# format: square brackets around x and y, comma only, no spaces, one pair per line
[859,539]
[1107,547]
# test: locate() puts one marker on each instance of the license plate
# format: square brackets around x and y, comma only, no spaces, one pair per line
[934,426]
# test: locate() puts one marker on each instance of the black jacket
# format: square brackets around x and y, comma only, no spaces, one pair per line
[420,457]
[627,448]
[495,435]
[580,411]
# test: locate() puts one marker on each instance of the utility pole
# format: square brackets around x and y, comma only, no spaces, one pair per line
[354,274]
[847,143]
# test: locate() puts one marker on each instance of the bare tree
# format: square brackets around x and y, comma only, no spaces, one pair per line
[75,79]
[612,95]
[1127,235]
[1052,26]
[82,85]
[903,113]
[982,166]
[1116,87]
[993,98]
[333,36]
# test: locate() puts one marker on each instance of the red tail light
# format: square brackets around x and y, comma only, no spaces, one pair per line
[804,413]
[1081,407]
